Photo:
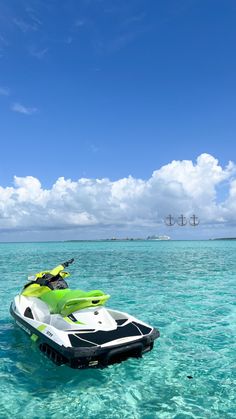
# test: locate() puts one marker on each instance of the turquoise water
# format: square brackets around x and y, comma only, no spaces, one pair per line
[185,289]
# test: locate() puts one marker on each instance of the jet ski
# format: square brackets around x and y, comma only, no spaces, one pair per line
[73,327]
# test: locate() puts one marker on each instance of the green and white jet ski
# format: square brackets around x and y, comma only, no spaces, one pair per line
[73,327]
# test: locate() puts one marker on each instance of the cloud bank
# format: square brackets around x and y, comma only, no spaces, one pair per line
[178,187]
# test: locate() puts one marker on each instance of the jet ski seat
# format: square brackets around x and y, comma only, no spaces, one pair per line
[67,301]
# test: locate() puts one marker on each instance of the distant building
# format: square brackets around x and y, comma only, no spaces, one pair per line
[164,237]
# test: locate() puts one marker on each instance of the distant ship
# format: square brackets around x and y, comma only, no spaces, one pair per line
[158,237]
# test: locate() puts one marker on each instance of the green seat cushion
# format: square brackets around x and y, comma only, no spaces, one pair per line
[67,301]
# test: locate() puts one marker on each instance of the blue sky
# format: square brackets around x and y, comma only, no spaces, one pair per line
[108,88]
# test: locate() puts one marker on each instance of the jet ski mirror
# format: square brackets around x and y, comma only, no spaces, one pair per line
[32,278]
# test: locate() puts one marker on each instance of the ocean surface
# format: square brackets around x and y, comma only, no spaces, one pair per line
[185,289]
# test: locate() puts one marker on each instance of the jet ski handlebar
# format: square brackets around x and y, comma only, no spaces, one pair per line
[68,262]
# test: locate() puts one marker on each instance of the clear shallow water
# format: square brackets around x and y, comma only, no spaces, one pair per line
[186,289]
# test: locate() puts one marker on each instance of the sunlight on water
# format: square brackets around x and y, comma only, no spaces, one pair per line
[185,289]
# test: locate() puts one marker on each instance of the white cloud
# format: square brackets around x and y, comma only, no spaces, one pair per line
[178,187]
[38,53]
[4,91]
[69,40]
[18,107]
[3,41]
[79,23]
[26,25]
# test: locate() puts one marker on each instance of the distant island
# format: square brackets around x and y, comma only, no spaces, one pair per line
[106,240]
[224,238]
[157,238]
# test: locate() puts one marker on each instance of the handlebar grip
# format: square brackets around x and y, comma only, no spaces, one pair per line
[68,262]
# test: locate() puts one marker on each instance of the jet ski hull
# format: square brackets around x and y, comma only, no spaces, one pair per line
[89,348]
